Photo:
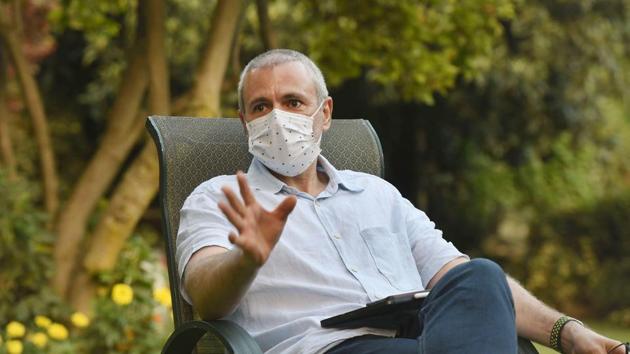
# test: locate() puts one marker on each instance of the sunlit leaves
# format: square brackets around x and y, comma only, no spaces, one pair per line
[100,21]
[413,49]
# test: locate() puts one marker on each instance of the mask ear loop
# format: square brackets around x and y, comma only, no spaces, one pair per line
[318,108]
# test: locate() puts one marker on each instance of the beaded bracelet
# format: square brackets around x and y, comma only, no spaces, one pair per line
[555,338]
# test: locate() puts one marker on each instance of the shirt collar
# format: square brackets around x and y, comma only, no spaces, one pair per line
[260,178]
[336,179]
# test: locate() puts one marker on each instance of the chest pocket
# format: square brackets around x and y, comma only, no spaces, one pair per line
[392,256]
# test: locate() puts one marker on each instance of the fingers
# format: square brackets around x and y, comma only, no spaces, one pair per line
[235,218]
[285,207]
[233,238]
[234,201]
[246,193]
[241,242]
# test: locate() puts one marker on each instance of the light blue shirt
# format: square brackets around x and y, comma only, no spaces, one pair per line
[358,241]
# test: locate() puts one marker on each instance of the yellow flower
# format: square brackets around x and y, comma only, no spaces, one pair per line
[39,339]
[14,347]
[15,329]
[57,331]
[122,294]
[42,321]
[163,296]
[79,319]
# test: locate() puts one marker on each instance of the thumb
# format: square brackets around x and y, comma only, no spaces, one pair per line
[286,207]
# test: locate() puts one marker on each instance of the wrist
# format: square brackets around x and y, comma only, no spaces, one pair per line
[246,262]
[563,334]
[568,335]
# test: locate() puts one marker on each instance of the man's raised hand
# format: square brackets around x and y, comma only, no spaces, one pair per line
[259,229]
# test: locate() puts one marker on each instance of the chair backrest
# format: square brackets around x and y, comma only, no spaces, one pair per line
[193,150]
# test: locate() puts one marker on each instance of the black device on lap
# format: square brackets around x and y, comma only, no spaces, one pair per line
[392,312]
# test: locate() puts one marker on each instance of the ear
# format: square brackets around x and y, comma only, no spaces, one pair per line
[327,111]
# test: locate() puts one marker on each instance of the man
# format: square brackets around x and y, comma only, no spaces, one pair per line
[305,241]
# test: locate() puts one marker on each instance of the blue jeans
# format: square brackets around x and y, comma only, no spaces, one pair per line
[470,310]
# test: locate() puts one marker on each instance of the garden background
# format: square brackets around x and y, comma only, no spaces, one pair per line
[507,121]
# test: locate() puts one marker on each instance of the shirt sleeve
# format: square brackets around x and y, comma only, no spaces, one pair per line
[201,224]
[430,250]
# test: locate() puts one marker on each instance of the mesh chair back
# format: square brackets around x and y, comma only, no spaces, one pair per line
[193,150]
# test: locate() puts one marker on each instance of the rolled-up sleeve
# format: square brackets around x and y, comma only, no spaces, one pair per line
[430,250]
[201,224]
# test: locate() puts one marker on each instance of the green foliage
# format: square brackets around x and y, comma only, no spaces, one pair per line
[580,198]
[25,249]
[529,163]
[523,156]
[128,328]
[98,20]
[108,29]
[585,251]
[101,32]
[567,179]
[187,25]
[25,270]
[411,49]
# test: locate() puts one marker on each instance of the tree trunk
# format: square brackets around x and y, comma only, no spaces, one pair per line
[123,130]
[35,107]
[8,157]
[130,199]
[159,93]
[266,33]
[230,83]
[101,248]
[6,147]
[140,183]
[206,93]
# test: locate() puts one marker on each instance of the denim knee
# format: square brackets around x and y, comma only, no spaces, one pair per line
[489,278]
[484,269]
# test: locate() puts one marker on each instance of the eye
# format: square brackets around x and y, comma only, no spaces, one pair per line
[293,103]
[259,107]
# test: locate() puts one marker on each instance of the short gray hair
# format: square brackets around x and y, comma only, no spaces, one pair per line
[280,56]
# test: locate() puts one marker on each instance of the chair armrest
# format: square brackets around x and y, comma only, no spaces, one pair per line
[526,347]
[234,337]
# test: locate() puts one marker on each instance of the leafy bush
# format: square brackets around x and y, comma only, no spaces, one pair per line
[557,221]
[585,253]
[130,313]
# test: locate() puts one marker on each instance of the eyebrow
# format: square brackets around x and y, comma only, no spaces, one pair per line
[291,96]
[288,96]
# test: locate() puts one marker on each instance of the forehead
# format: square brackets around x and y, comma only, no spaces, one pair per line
[278,81]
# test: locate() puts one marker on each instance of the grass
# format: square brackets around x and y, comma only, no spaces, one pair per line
[610,330]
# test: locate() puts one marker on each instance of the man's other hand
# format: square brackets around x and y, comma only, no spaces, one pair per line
[258,229]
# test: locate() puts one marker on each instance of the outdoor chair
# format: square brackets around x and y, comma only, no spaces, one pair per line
[193,150]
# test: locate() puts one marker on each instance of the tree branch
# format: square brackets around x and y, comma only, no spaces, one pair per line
[35,107]
[266,32]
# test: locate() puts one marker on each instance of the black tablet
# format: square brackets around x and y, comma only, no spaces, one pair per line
[391,312]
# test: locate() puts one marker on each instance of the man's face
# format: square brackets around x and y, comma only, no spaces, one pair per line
[287,87]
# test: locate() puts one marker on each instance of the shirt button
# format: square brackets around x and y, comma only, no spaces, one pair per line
[353,270]
[316,203]
[337,236]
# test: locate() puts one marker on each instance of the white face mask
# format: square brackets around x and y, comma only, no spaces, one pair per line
[283,141]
